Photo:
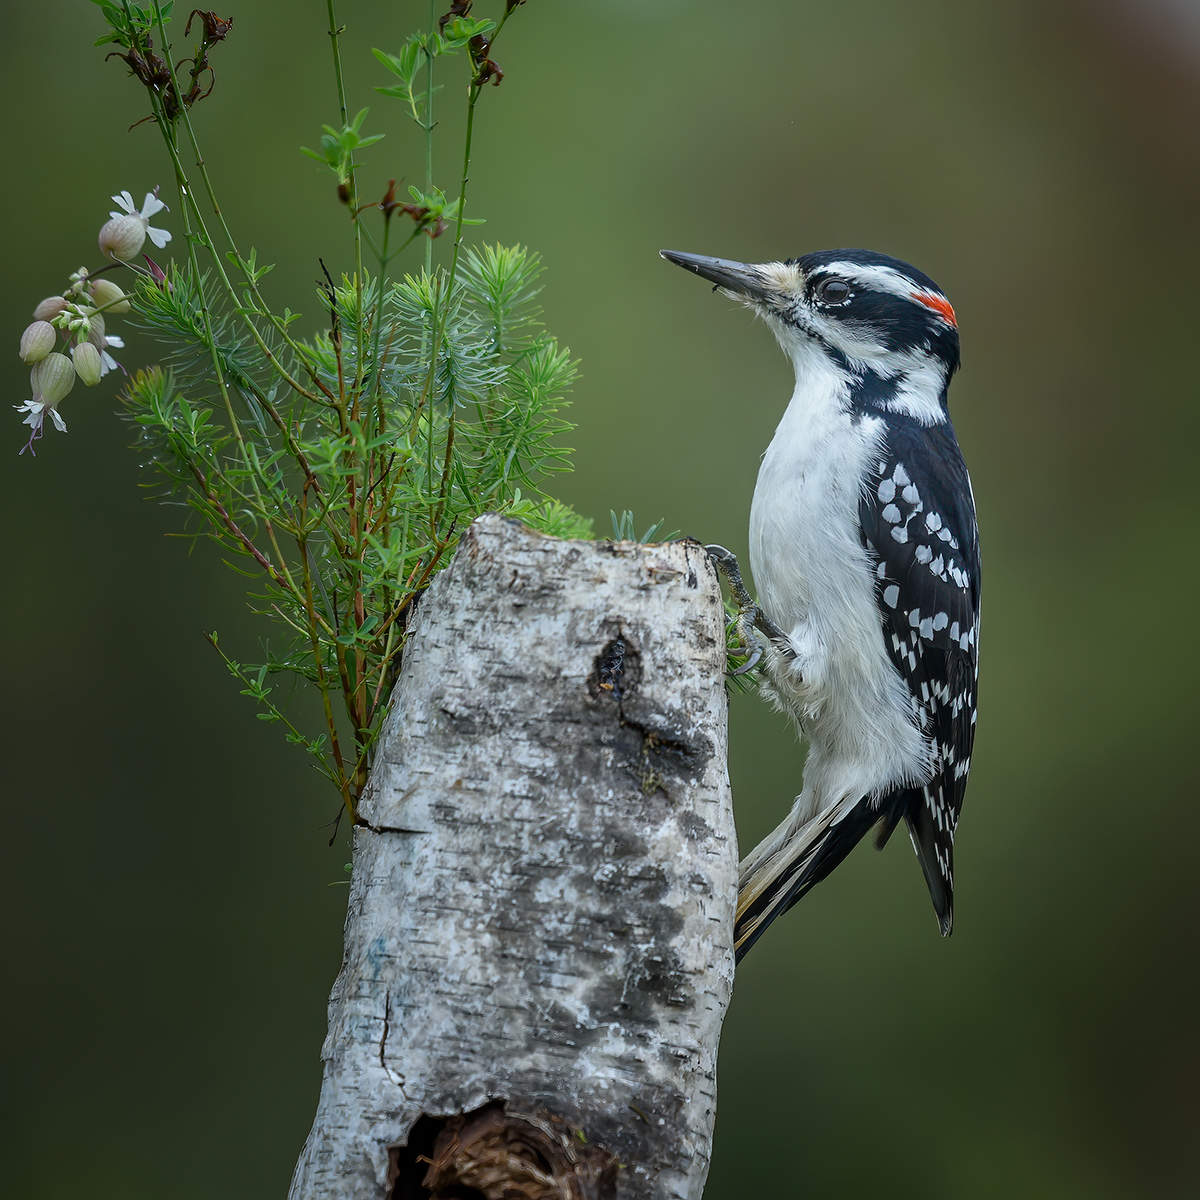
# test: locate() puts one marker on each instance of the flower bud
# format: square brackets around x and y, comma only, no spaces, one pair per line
[50,308]
[109,297]
[52,378]
[37,341]
[122,237]
[88,365]
[96,331]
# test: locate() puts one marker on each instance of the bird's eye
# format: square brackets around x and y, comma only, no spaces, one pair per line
[833,291]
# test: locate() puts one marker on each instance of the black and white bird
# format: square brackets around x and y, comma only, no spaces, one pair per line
[865,554]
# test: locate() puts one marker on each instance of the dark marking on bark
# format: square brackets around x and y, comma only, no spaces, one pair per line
[654,755]
[694,826]
[387,1025]
[554,1025]
[462,719]
[610,666]
[361,822]
[667,742]
[660,756]
[616,671]
[648,984]
[492,1154]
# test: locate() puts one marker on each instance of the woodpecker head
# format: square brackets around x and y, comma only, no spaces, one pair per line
[883,324]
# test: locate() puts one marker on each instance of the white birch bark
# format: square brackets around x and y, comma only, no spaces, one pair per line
[541,905]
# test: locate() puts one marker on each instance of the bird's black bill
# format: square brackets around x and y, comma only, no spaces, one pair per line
[743,278]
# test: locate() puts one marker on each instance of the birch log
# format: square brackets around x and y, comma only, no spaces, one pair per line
[538,947]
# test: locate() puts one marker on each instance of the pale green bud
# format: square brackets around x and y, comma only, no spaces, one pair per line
[109,297]
[96,330]
[37,341]
[50,308]
[122,237]
[76,318]
[88,366]
[52,378]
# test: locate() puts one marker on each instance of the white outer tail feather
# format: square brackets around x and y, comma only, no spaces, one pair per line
[781,856]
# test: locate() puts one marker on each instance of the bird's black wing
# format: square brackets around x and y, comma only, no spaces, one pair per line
[917,517]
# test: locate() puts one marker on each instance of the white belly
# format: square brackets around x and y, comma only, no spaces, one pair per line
[816,582]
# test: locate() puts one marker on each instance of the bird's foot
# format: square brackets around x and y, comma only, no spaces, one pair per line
[749,616]
[726,562]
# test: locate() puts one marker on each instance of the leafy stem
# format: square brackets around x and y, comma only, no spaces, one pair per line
[167,126]
[335,33]
[428,126]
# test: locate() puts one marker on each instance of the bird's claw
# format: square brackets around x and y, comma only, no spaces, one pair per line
[749,616]
[756,649]
[726,562]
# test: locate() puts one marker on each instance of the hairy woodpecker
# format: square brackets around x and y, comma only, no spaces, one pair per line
[865,552]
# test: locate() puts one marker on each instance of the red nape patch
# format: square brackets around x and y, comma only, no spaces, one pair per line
[939,304]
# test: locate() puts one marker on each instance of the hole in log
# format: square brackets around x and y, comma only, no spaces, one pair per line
[617,669]
[493,1154]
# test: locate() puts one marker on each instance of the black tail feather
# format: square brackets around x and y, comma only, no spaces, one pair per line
[801,866]
[928,841]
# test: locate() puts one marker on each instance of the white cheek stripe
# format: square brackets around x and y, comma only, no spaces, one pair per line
[883,279]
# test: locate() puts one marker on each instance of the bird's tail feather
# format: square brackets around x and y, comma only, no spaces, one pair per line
[789,862]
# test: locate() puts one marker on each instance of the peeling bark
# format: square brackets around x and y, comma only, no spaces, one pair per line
[538,950]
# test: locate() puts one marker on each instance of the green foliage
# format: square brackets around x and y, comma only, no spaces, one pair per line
[624,529]
[738,655]
[344,506]
[338,146]
[416,56]
[337,470]
[129,24]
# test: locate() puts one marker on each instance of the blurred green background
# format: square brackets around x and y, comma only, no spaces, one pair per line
[173,912]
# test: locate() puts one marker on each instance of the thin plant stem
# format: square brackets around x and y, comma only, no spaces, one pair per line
[473,94]
[428,126]
[173,150]
[236,670]
[318,659]
[335,32]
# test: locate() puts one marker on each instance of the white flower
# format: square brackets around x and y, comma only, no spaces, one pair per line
[151,205]
[36,410]
[101,340]
[51,380]
[107,362]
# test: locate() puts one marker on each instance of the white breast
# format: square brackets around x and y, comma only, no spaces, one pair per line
[815,580]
